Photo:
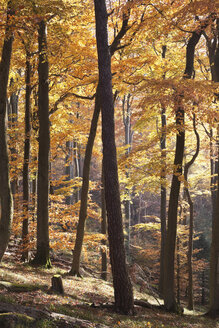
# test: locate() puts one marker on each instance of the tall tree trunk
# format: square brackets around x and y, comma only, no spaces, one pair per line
[87,160]
[163,195]
[6,202]
[42,254]
[26,159]
[123,293]
[169,296]
[214,261]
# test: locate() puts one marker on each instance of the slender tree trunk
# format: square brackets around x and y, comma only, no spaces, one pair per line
[77,169]
[84,190]
[42,255]
[123,293]
[214,261]
[12,123]
[103,230]
[191,219]
[128,140]
[25,240]
[6,201]
[163,195]
[69,169]
[213,181]
[169,296]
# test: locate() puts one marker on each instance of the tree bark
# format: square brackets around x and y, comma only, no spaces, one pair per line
[123,293]
[163,195]
[6,201]
[42,254]
[25,240]
[214,260]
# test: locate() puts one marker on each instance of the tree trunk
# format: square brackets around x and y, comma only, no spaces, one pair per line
[163,195]
[128,140]
[87,161]
[191,220]
[42,254]
[6,201]
[84,190]
[123,293]
[214,261]
[25,240]
[77,170]
[12,123]
[169,297]
[69,169]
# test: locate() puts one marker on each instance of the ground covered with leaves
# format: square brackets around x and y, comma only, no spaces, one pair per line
[26,298]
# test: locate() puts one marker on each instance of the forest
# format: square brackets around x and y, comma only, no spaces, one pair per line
[109,175]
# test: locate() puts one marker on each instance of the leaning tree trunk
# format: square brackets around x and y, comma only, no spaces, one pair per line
[123,293]
[6,202]
[84,190]
[169,295]
[42,254]
[87,160]
[26,160]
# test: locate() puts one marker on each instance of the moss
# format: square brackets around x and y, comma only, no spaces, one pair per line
[15,320]
[15,287]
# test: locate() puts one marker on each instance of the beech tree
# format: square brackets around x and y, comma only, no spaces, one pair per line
[42,254]
[169,296]
[122,285]
[75,270]
[6,202]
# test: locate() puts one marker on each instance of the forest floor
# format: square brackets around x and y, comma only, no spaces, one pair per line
[25,290]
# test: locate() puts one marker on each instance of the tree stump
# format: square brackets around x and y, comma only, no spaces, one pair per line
[57,286]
